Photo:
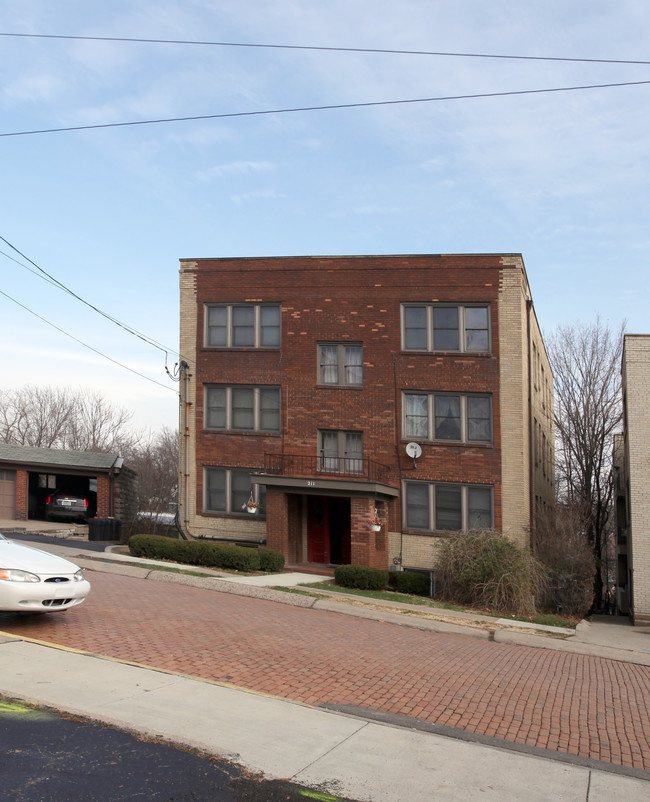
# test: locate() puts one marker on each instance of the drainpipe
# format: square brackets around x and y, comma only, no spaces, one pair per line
[115,470]
[184,454]
[398,561]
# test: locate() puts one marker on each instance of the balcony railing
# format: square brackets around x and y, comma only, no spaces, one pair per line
[363,469]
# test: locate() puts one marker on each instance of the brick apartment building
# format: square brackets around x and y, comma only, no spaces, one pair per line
[631,470]
[328,388]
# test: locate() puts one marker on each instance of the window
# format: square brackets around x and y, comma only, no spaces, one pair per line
[447,507]
[340,364]
[340,452]
[448,416]
[242,325]
[434,327]
[246,409]
[228,489]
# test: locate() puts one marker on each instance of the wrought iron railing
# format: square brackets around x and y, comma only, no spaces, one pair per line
[363,469]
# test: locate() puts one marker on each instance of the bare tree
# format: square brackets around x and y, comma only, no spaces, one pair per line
[36,416]
[52,417]
[156,461]
[586,362]
[563,549]
[98,426]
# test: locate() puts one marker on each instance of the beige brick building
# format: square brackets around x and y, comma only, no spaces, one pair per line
[308,378]
[632,464]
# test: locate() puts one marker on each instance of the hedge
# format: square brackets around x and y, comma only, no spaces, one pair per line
[205,553]
[271,561]
[411,582]
[361,577]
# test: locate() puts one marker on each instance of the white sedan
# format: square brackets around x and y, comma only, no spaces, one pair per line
[33,581]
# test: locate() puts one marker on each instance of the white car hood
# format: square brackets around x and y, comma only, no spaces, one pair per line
[25,558]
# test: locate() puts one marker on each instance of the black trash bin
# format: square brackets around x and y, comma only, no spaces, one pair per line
[115,529]
[96,529]
[104,529]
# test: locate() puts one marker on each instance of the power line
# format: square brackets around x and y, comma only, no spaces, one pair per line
[261,45]
[85,345]
[325,108]
[50,279]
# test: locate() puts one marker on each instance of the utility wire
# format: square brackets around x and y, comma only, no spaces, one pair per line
[66,289]
[324,108]
[85,345]
[317,48]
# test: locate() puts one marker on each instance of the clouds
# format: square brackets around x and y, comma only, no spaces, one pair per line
[239,168]
[561,177]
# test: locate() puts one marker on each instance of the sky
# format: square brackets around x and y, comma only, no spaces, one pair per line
[561,177]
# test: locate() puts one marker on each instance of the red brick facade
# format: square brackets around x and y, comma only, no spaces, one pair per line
[357,301]
[22,495]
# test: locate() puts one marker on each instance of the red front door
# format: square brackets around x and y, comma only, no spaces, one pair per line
[318,530]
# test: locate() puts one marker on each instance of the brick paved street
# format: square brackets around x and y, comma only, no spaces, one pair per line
[579,705]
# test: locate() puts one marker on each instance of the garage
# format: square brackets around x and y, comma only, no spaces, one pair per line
[31,478]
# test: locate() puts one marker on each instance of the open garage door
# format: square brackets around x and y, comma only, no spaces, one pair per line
[42,485]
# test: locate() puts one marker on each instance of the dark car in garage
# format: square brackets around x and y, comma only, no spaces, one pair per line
[66,506]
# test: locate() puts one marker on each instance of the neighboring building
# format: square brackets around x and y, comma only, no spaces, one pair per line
[28,475]
[632,468]
[308,377]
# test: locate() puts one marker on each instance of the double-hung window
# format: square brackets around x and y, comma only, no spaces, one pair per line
[438,506]
[242,325]
[340,364]
[446,327]
[228,489]
[340,452]
[447,416]
[246,409]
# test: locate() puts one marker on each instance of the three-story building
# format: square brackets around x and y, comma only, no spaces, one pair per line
[366,405]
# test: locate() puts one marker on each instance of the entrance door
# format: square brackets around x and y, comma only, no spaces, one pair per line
[339,515]
[318,530]
[328,530]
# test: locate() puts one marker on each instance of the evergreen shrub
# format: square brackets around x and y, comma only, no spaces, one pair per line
[361,577]
[271,561]
[411,582]
[205,553]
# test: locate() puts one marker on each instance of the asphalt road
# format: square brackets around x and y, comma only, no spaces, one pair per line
[48,758]
[38,540]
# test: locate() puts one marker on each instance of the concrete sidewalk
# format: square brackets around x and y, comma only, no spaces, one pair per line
[357,757]
[338,754]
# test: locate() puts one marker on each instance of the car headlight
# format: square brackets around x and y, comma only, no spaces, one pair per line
[15,575]
[79,576]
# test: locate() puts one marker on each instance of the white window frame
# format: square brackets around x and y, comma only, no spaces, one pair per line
[465,490]
[431,396]
[341,364]
[232,506]
[338,461]
[230,328]
[257,410]
[463,328]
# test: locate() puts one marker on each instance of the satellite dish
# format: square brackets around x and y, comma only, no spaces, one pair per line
[414,450]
